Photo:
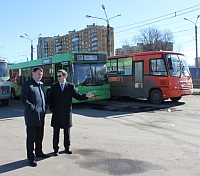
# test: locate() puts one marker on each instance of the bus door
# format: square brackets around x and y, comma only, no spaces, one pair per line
[57,67]
[66,68]
[138,79]
[26,74]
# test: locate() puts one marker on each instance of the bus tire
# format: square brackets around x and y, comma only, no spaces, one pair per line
[176,98]
[13,96]
[5,102]
[156,96]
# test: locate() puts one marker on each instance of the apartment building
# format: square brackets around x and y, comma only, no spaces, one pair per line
[91,39]
[41,52]
[126,49]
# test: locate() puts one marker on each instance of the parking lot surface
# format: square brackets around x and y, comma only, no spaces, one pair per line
[118,137]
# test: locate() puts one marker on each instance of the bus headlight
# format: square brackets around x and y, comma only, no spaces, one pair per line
[3,92]
[183,84]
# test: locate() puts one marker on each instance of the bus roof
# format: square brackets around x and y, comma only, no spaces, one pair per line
[3,60]
[50,59]
[144,53]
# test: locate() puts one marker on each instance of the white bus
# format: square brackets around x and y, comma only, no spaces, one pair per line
[5,86]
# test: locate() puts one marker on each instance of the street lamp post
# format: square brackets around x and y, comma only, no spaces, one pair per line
[108,26]
[196,59]
[27,37]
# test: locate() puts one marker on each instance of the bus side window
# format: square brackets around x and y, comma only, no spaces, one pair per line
[19,80]
[157,67]
[24,79]
[153,67]
[120,72]
[112,67]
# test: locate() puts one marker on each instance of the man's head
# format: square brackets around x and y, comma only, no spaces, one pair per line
[62,75]
[37,73]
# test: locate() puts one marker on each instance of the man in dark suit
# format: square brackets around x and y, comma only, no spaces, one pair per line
[60,104]
[32,97]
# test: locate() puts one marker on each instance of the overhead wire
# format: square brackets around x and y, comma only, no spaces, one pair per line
[175,15]
[17,54]
[146,22]
[175,32]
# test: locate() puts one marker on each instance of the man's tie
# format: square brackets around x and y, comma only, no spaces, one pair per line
[42,96]
[62,86]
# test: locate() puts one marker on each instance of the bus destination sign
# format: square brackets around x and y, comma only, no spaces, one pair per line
[47,61]
[87,57]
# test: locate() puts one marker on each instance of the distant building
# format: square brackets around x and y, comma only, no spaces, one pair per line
[91,39]
[126,49]
[41,47]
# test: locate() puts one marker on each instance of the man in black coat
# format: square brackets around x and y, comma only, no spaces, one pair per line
[32,97]
[60,104]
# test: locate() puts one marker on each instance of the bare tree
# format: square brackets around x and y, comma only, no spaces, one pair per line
[153,39]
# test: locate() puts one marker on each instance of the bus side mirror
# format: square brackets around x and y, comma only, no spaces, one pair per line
[170,62]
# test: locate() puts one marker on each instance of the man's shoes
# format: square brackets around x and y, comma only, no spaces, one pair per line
[55,153]
[32,163]
[41,155]
[68,151]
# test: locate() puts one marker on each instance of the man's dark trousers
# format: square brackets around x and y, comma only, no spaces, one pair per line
[34,135]
[56,134]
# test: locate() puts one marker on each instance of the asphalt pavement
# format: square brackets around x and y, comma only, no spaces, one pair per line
[121,137]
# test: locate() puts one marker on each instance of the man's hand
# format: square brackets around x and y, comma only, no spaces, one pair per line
[89,94]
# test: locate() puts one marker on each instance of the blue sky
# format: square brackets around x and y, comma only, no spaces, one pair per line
[57,17]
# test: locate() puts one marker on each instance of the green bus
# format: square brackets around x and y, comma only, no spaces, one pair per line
[86,70]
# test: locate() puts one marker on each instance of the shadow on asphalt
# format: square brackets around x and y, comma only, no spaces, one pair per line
[19,164]
[120,107]
[13,166]
[97,109]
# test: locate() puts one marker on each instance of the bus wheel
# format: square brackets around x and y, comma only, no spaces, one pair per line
[13,96]
[5,102]
[156,96]
[175,98]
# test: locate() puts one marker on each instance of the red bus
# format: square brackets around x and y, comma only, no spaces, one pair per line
[154,75]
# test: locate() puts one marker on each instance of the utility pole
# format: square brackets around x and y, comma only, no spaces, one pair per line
[196,63]
[196,59]
[108,26]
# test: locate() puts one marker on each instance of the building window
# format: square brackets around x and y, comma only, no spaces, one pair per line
[94,30]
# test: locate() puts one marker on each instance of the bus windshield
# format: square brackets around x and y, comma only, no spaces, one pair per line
[177,65]
[4,72]
[184,66]
[89,74]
